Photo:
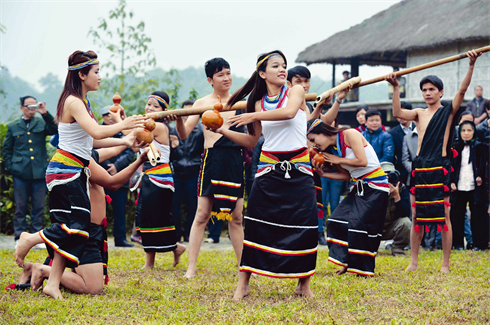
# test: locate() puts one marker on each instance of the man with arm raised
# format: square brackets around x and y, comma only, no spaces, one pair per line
[432,166]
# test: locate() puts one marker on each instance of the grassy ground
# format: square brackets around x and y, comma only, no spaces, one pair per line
[164,296]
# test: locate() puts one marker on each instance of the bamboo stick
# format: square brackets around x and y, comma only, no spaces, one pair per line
[197,111]
[424,66]
[151,157]
[344,85]
[155,152]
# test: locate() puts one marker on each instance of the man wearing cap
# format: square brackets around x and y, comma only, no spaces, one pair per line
[432,166]
[119,197]
[25,157]
[397,222]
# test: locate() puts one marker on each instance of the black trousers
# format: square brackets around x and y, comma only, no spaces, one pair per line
[479,219]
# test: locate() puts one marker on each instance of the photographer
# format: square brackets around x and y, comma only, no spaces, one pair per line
[397,223]
[25,157]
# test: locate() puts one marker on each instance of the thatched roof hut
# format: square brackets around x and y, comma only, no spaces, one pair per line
[410,25]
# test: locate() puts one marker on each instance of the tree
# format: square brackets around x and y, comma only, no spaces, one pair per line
[128,45]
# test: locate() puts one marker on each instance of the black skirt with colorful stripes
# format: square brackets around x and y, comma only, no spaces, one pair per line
[155,220]
[432,179]
[355,228]
[281,229]
[222,178]
[69,207]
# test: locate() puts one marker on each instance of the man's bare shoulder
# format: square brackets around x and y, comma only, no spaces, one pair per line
[205,101]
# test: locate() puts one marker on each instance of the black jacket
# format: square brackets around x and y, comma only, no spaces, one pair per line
[398,135]
[186,157]
[479,154]
[121,161]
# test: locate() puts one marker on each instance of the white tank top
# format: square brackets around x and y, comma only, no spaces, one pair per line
[358,172]
[74,139]
[164,152]
[286,135]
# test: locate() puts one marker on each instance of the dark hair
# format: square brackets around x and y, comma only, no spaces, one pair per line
[23,99]
[73,83]
[435,80]
[214,66]
[472,124]
[187,102]
[406,105]
[345,72]
[300,71]
[466,113]
[478,86]
[372,112]
[362,107]
[164,96]
[324,128]
[487,105]
[255,86]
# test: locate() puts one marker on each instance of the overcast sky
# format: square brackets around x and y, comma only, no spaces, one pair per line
[41,35]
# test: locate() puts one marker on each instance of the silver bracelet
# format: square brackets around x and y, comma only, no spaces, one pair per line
[338,101]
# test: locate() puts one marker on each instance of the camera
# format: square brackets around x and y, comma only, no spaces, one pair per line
[393,177]
[33,107]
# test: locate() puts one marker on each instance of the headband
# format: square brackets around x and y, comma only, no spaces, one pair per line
[267,57]
[313,125]
[83,64]
[160,100]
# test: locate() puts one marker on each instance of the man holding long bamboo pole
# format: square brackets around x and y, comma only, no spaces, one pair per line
[432,166]
[220,184]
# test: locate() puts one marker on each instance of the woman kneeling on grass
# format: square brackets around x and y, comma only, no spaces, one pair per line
[354,229]
[281,227]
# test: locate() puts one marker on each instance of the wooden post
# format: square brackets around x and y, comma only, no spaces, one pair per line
[333,73]
[354,72]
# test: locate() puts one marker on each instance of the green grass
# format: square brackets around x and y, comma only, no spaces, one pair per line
[163,296]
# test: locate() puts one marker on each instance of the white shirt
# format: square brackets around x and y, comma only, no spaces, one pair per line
[466,180]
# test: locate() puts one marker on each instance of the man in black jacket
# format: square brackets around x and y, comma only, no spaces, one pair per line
[397,222]
[398,133]
[185,158]
[119,197]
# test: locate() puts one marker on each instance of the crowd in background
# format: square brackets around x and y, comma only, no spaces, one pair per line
[25,158]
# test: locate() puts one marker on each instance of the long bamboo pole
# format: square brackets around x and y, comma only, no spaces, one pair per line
[352,81]
[424,66]
[197,111]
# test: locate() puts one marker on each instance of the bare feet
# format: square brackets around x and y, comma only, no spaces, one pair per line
[241,292]
[304,292]
[37,278]
[25,244]
[341,271]
[148,267]
[412,267]
[177,253]
[25,276]
[445,269]
[190,274]
[52,292]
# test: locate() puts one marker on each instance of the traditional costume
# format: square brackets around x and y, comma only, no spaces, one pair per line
[431,172]
[154,210]
[355,228]
[281,232]
[222,175]
[69,198]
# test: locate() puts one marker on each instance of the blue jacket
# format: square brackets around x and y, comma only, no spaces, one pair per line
[382,143]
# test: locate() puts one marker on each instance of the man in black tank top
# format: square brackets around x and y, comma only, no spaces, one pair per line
[432,167]
[221,181]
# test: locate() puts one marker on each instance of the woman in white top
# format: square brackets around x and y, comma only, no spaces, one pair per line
[355,227]
[281,226]
[467,186]
[67,173]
